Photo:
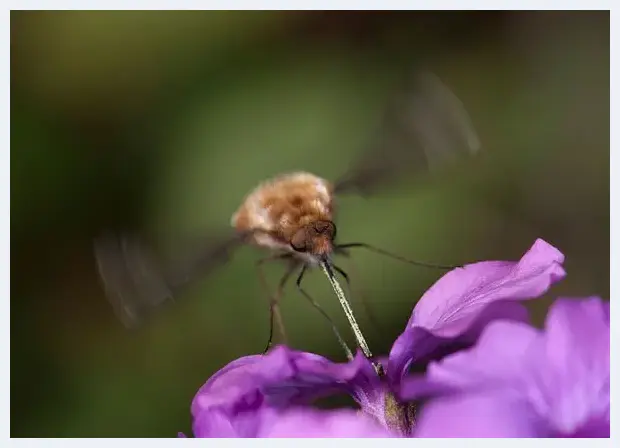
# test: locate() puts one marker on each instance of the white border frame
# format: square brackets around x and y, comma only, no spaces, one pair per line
[271,4]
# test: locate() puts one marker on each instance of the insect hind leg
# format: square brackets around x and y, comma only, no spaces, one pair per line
[367,308]
[316,305]
[275,317]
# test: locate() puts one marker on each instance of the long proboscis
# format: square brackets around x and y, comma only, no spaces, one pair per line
[348,311]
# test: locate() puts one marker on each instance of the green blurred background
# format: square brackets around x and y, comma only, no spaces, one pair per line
[163,121]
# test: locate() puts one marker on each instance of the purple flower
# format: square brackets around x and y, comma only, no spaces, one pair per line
[257,396]
[464,301]
[251,393]
[305,422]
[522,382]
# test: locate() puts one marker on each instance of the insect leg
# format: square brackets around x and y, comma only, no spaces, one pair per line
[377,250]
[316,305]
[365,304]
[274,299]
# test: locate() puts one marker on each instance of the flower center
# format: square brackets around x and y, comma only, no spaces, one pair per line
[399,417]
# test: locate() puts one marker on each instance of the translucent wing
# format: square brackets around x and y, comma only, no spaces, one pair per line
[424,125]
[137,282]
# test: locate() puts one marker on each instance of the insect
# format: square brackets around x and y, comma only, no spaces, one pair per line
[292,215]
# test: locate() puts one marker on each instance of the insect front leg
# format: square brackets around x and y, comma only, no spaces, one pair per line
[343,249]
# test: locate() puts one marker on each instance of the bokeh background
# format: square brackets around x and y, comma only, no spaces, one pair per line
[163,121]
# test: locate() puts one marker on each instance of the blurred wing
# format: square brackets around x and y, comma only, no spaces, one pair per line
[137,283]
[423,126]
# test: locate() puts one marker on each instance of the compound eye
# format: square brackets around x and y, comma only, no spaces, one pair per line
[333,231]
[327,228]
[297,248]
[298,242]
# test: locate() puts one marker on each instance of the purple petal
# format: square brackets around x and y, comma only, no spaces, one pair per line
[291,422]
[310,423]
[456,299]
[573,389]
[314,376]
[236,379]
[563,373]
[497,357]
[214,423]
[465,300]
[480,415]
[281,378]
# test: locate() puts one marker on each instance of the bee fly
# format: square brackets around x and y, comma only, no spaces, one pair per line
[292,215]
